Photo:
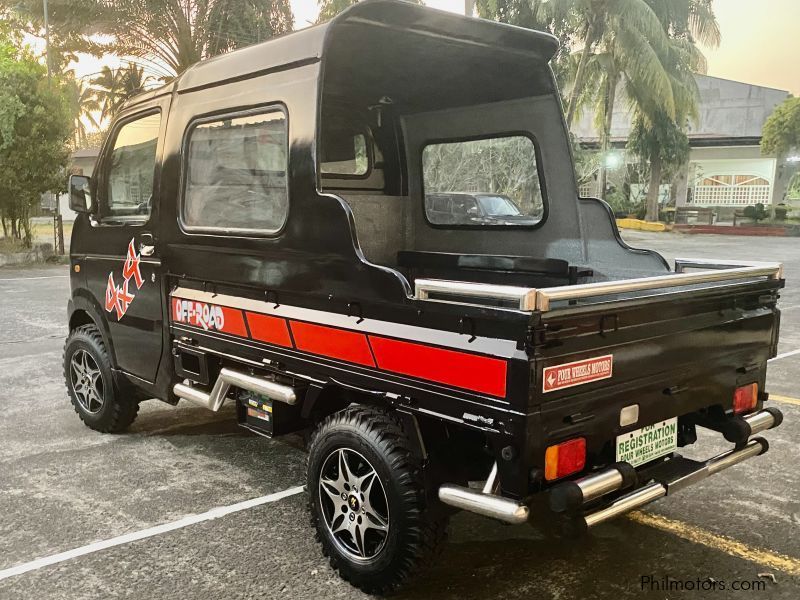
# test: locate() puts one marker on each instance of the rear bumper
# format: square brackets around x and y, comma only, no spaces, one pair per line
[676,474]
[596,498]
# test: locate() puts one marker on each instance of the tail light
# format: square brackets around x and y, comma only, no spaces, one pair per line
[745,398]
[564,459]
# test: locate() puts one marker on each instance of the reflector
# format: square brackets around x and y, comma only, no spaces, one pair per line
[564,459]
[745,398]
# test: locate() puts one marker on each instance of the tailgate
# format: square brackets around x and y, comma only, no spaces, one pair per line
[670,351]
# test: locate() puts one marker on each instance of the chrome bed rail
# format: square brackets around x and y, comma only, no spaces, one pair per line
[541,299]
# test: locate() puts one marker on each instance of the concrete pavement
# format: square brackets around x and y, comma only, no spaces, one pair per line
[63,486]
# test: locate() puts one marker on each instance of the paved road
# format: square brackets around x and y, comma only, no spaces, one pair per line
[63,487]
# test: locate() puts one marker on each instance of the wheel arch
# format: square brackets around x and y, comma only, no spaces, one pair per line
[84,310]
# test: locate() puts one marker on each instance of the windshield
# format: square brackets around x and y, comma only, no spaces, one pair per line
[498,206]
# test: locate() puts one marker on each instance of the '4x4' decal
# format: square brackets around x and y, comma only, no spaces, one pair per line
[119,298]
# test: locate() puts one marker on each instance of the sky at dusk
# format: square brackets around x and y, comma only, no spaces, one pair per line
[760,40]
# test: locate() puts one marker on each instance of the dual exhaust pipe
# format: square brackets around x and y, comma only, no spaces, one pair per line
[574,496]
[228,378]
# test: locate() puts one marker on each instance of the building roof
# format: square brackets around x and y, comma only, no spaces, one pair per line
[730,113]
[85,153]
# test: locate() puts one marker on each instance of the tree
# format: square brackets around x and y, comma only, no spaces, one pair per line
[35,129]
[781,131]
[83,106]
[557,18]
[167,35]
[657,136]
[114,86]
[600,20]
[663,144]
[330,8]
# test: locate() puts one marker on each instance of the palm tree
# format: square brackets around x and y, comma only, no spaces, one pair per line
[84,107]
[631,58]
[108,87]
[169,34]
[114,86]
[133,81]
[659,137]
[620,22]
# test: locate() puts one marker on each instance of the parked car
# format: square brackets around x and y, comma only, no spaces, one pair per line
[287,263]
[476,208]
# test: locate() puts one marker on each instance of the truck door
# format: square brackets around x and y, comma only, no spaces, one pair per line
[120,251]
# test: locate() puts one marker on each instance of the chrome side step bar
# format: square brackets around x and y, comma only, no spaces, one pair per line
[485,503]
[656,490]
[214,399]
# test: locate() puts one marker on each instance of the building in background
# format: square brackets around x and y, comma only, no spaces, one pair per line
[725,169]
[81,163]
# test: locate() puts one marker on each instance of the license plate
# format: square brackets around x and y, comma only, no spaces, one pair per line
[648,443]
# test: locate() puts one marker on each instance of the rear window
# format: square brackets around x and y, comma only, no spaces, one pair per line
[236,174]
[490,182]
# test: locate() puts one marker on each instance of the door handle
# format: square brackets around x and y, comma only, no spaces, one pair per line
[147,245]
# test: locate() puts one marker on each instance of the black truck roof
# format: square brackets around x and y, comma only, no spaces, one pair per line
[309,45]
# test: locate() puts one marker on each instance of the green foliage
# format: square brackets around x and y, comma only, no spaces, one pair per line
[505,165]
[781,212]
[167,35]
[330,8]
[113,87]
[781,132]
[659,138]
[36,128]
[756,213]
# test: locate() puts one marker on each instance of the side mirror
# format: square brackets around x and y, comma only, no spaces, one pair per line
[80,199]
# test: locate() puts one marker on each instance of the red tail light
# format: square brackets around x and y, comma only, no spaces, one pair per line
[564,459]
[745,398]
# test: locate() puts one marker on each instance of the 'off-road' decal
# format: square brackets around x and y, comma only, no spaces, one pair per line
[120,297]
[579,372]
[210,317]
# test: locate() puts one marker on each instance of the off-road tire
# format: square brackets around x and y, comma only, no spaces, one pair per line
[416,529]
[117,411]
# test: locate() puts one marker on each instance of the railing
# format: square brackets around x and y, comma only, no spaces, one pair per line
[541,299]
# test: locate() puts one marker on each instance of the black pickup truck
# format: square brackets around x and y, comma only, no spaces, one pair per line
[256,232]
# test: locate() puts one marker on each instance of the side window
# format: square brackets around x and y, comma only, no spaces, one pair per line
[346,155]
[131,170]
[235,169]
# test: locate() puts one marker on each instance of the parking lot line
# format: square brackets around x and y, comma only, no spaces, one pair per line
[786,399]
[784,355]
[214,513]
[697,535]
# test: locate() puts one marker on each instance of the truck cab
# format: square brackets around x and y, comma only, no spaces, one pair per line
[266,231]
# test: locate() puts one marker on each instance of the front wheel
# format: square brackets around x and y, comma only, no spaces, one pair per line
[367,500]
[90,383]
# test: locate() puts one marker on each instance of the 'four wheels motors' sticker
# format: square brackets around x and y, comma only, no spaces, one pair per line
[119,298]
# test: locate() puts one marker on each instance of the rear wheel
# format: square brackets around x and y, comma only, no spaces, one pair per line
[90,383]
[367,500]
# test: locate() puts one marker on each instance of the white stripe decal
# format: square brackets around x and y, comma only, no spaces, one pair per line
[214,513]
[480,345]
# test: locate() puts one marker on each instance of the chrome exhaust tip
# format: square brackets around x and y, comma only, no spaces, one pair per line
[488,505]
[659,489]
[214,399]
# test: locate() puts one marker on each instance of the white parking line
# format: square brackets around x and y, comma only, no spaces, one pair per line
[784,355]
[214,513]
[25,278]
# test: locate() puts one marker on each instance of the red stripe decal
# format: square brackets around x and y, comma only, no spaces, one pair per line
[272,330]
[335,343]
[459,369]
[209,316]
